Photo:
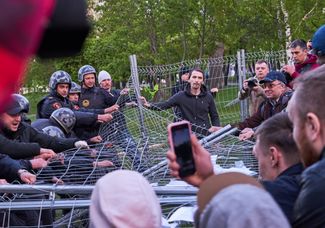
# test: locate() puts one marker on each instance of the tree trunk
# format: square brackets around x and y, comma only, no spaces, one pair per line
[216,77]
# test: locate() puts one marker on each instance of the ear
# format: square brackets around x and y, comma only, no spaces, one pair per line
[312,126]
[275,156]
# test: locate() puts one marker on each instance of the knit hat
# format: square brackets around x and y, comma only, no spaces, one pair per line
[319,41]
[124,198]
[103,75]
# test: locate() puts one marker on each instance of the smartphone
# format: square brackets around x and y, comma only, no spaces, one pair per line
[180,142]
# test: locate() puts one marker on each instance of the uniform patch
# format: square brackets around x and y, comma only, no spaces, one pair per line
[85,103]
[56,105]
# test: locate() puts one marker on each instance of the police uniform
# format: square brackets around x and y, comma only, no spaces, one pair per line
[95,98]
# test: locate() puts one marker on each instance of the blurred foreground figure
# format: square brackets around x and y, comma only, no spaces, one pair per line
[36,27]
[124,198]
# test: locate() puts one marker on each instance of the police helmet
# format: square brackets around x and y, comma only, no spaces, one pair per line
[319,41]
[53,131]
[59,77]
[86,69]
[65,117]
[19,104]
[75,88]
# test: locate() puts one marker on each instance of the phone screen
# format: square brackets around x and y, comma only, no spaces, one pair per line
[183,149]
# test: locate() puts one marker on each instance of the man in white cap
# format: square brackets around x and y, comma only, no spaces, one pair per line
[105,82]
[117,129]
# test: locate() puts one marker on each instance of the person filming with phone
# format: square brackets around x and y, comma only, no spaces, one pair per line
[252,90]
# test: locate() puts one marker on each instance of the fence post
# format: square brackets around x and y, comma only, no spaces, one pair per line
[241,78]
[135,80]
[245,103]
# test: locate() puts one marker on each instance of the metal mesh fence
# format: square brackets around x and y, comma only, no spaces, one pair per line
[136,139]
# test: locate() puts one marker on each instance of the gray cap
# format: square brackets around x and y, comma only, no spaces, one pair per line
[242,205]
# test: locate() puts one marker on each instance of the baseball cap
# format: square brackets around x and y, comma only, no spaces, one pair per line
[103,75]
[319,41]
[216,183]
[274,75]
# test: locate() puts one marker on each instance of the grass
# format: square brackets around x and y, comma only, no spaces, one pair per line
[227,115]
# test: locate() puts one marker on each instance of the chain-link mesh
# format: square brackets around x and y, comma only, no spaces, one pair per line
[136,139]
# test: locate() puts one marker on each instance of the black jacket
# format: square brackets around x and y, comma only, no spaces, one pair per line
[9,168]
[309,209]
[285,189]
[95,98]
[53,101]
[198,110]
[26,133]
[18,150]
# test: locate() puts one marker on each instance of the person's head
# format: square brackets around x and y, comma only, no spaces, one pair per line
[319,44]
[184,74]
[11,118]
[74,92]
[307,113]
[124,198]
[309,45]
[275,148]
[60,82]
[221,199]
[105,80]
[87,76]
[196,78]
[64,118]
[274,84]
[298,49]
[261,69]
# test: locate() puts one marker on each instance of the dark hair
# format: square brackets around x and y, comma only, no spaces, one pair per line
[298,43]
[197,69]
[309,90]
[278,131]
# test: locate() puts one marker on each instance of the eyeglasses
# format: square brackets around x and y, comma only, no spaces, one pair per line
[270,85]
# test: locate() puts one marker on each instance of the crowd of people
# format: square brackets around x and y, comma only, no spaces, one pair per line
[287,119]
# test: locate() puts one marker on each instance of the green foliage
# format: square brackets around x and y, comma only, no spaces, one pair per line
[148,93]
[161,32]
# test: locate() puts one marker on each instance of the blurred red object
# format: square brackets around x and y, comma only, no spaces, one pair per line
[21,27]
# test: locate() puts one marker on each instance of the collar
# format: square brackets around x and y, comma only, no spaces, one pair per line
[322,156]
[293,170]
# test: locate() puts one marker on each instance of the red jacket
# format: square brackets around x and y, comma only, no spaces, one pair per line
[307,65]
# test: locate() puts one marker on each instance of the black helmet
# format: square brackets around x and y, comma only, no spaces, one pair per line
[19,104]
[86,69]
[53,131]
[75,88]
[65,117]
[59,77]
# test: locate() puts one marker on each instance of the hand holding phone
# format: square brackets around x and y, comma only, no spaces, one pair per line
[180,143]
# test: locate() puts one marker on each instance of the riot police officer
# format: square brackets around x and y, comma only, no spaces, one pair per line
[91,95]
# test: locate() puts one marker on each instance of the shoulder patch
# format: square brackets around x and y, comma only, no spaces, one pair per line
[85,103]
[56,105]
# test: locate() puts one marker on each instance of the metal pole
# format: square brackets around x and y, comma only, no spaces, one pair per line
[243,59]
